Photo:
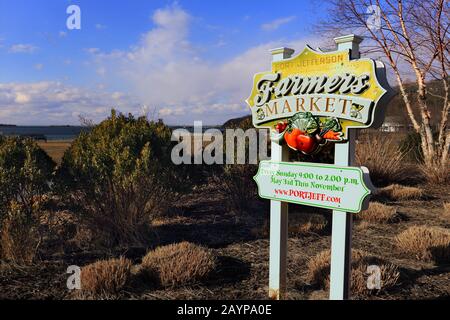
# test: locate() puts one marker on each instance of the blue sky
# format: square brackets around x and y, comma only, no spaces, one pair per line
[183,61]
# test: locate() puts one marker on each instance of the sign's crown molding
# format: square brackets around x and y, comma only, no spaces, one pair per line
[327,84]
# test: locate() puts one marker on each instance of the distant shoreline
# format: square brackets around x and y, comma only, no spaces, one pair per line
[67,132]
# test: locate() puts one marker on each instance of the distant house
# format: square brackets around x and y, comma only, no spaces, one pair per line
[394,124]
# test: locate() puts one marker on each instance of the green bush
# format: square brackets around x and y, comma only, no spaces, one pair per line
[121,175]
[20,235]
[25,177]
[25,173]
[236,180]
[238,186]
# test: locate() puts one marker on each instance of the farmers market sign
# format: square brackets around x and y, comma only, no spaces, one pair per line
[315,94]
[318,185]
[308,101]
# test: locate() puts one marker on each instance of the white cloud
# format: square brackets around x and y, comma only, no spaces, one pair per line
[165,71]
[101,71]
[221,43]
[275,24]
[50,102]
[39,66]
[22,48]
[165,112]
[21,98]
[100,26]
[92,50]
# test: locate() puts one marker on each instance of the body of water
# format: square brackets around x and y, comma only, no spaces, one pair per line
[50,132]
[58,132]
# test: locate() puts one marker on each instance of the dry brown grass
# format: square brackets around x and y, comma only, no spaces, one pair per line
[319,272]
[163,220]
[299,224]
[261,231]
[399,192]
[446,211]
[378,213]
[363,225]
[178,264]
[319,295]
[306,223]
[319,268]
[19,237]
[55,149]
[382,156]
[105,277]
[425,243]
[435,173]
[389,276]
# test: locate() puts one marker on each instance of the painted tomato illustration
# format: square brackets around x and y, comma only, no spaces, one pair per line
[307,133]
[306,144]
[291,137]
[299,140]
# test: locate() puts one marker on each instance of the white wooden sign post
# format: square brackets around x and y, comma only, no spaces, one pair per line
[278,236]
[278,215]
[342,223]
[308,101]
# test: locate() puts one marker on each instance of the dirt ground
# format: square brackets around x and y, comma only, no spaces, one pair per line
[243,254]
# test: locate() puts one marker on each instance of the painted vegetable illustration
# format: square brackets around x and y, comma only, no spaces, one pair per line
[299,140]
[306,133]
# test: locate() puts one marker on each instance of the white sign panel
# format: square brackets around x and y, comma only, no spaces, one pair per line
[318,185]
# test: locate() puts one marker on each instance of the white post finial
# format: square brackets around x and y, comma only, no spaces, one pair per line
[282,53]
[351,42]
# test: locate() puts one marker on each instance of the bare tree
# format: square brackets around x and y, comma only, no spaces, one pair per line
[150,113]
[412,36]
[86,122]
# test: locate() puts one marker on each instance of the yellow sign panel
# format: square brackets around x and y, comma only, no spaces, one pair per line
[316,94]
